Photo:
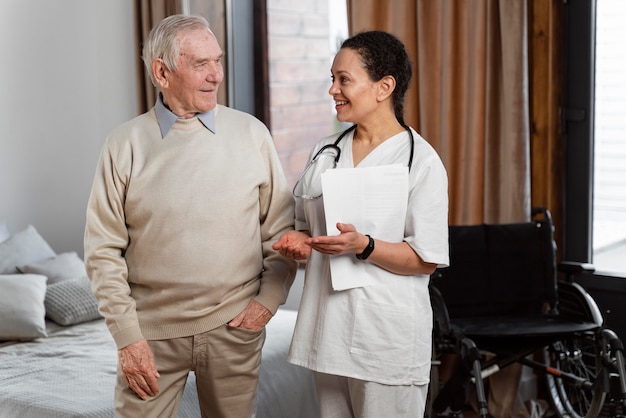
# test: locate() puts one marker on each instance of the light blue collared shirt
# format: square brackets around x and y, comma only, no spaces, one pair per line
[167,118]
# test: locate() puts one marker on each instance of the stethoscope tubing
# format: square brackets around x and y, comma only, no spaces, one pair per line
[411,138]
[335,145]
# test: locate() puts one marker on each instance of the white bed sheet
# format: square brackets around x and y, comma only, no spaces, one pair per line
[71,373]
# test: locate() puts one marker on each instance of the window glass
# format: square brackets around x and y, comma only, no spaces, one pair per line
[303,37]
[609,183]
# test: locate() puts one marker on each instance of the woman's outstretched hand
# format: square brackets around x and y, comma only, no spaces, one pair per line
[349,241]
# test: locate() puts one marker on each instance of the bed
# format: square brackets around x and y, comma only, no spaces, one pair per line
[61,359]
[71,373]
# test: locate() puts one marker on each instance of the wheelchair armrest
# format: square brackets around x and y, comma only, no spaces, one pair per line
[576,303]
[441,318]
[573,268]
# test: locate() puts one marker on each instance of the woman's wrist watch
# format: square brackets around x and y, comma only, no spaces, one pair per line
[368,250]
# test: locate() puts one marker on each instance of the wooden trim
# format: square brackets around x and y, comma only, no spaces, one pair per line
[546,90]
[261,63]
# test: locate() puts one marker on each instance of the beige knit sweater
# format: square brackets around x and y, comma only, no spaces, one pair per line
[179,229]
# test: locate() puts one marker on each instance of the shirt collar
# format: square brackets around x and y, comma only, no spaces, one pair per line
[166,118]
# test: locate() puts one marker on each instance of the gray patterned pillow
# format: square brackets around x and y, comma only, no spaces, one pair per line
[71,302]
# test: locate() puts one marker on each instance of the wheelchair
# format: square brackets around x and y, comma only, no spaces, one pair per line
[505,300]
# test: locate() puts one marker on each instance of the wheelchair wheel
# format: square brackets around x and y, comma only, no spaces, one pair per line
[581,356]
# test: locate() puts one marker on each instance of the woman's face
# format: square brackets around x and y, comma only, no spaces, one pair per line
[354,92]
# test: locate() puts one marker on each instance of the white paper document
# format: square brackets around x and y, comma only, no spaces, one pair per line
[374,200]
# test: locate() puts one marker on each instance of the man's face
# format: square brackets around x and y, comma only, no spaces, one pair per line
[192,88]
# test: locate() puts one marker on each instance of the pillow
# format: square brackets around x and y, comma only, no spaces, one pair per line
[22,310]
[4,232]
[61,267]
[71,302]
[24,247]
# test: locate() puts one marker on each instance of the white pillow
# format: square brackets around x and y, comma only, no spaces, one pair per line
[64,266]
[22,310]
[4,231]
[26,246]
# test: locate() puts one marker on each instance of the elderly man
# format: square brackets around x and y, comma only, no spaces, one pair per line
[186,203]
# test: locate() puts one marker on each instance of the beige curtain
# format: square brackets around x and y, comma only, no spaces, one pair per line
[150,12]
[469,97]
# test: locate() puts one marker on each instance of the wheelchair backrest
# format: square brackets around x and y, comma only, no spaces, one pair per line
[502,269]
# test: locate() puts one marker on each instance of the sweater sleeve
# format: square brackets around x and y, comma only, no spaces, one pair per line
[105,242]
[276,217]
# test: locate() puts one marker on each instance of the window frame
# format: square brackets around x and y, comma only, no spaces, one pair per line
[577,114]
[578,129]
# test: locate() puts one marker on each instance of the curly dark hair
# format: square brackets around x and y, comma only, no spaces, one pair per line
[383,54]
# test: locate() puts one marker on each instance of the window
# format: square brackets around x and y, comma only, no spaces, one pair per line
[303,37]
[608,288]
[609,165]
[595,135]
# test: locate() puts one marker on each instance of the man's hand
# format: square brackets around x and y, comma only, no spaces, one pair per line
[292,244]
[254,317]
[137,364]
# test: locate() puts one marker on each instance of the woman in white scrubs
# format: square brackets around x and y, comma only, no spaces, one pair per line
[365,322]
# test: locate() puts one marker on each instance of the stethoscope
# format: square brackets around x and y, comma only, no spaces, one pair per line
[298,189]
[353,127]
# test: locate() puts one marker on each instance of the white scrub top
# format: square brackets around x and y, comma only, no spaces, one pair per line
[383,332]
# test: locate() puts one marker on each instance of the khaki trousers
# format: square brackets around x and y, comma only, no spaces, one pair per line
[344,397]
[226,362]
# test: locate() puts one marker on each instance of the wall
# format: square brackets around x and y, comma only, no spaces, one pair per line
[67,78]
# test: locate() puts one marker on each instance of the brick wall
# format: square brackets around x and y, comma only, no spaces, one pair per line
[299,75]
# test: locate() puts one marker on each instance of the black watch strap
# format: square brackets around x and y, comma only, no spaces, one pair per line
[368,250]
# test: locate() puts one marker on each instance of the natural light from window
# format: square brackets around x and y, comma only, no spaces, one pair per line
[609,214]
